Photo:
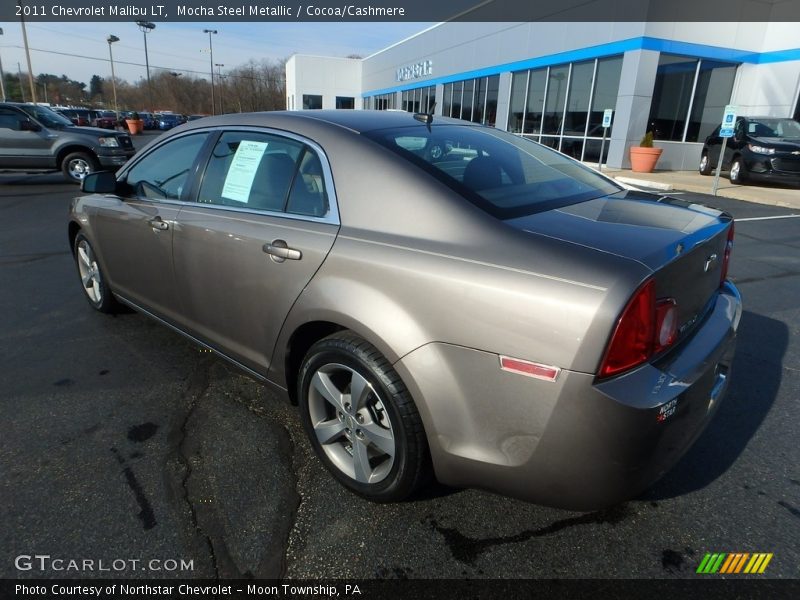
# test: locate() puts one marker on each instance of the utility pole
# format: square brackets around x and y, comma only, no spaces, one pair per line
[19,77]
[211,50]
[27,54]
[2,76]
[221,88]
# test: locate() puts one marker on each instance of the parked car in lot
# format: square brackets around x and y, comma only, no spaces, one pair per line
[105,119]
[150,121]
[34,137]
[762,148]
[168,121]
[431,294]
[78,116]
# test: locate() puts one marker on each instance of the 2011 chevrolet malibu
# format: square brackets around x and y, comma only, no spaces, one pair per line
[439,298]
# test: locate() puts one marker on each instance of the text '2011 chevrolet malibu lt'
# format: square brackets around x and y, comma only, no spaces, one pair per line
[439,298]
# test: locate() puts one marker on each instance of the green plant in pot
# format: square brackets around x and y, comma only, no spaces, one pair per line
[644,156]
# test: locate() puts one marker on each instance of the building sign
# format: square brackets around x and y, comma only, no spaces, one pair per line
[415,71]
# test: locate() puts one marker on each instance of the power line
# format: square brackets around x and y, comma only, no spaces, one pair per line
[133,64]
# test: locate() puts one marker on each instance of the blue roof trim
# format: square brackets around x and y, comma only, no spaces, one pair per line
[610,49]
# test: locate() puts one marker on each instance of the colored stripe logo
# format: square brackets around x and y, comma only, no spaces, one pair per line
[734,563]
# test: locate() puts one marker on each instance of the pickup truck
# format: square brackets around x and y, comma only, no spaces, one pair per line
[36,138]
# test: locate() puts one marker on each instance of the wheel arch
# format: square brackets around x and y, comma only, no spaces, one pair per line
[64,151]
[73,229]
[301,340]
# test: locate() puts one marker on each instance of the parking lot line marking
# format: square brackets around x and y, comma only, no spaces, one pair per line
[767,218]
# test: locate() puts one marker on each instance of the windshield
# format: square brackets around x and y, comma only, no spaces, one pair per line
[505,175]
[46,116]
[774,128]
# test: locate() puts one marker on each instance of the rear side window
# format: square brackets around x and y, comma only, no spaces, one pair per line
[505,175]
[163,173]
[264,172]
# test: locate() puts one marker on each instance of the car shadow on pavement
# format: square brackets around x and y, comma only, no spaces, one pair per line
[756,377]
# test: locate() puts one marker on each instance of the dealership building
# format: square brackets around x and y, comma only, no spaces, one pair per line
[552,82]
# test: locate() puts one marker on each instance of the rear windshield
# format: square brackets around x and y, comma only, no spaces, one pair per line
[505,175]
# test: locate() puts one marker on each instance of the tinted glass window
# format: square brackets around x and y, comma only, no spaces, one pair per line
[606,87]
[163,173]
[345,102]
[250,170]
[308,196]
[519,82]
[713,92]
[9,119]
[580,84]
[556,93]
[671,96]
[312,101]
[533,111]
[46,116]
[505,175]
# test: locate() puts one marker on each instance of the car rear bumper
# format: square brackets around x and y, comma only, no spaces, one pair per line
[574,443]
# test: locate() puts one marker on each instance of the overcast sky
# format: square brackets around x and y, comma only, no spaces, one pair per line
[79,50]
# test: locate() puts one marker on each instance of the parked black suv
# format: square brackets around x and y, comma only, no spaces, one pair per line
[35,137]
[766,148]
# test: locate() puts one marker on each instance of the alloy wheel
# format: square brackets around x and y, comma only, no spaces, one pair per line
[89,272]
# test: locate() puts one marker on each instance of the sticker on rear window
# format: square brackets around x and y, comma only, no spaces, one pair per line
[242,171]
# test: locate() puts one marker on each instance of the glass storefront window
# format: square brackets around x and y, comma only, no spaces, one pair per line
[535,101]
[447,100]
[712,93]
[554,104]
[458,90]
[580,86]
[606,87]
[519,83]
[492,89]
[466,100]
[673,103]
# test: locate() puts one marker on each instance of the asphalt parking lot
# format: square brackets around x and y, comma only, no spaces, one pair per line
[122,441]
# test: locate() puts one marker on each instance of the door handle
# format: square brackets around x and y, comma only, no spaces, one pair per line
[159,224]
[279,251]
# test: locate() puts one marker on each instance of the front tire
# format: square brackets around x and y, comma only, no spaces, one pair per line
[705,165]
[361,420]
[738,172]
[78,165]
[92,280]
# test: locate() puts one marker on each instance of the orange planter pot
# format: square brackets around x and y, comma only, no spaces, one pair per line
[135,127]
[643,160]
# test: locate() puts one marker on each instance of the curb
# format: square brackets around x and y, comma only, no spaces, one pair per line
[655,185]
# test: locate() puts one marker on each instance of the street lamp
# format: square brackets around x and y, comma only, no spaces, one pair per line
[221,88]
[211,50]
[111,39]
[146,27]
[2,76]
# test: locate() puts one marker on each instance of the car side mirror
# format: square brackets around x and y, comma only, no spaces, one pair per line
[102,182]
[28,125]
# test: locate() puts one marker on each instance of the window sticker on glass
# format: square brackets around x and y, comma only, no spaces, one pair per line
[242,171]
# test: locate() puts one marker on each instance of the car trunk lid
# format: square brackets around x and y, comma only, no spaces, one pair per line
[682,243]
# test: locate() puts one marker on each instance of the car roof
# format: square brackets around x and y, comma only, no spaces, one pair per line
[359,121]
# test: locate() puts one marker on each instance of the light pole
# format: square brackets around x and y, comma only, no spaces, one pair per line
[211,50]
[146,27]
[2,76]
[221,88]
[27,53]
[111,39]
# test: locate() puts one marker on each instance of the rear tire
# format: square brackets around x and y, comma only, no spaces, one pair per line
[361,420]
[78,165]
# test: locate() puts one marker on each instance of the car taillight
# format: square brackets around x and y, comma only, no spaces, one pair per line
[647,326]
[727,257]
